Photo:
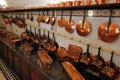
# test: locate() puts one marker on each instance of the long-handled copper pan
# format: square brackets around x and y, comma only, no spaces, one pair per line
[47,18]
[108,31]
[83,27]
[52,19]
[61,21]
[70,26]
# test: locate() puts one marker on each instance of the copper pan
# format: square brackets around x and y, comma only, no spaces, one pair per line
[61,21]
[52,19]
[83,27]
[70,24]
[108,31]
[47,18]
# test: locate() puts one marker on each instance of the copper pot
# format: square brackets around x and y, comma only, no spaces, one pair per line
[97,64]
[85,59]
[108,32]
[100,1]
[61,21]
[108,73]
[52,20]
[47,18]
[83,27]
[77,3]
[62,4]
[70,24]
[69,3]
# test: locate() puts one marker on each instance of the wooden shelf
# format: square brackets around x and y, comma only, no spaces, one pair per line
[103,6]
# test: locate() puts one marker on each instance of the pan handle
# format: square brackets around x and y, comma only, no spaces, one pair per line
[83,19]
[109,22]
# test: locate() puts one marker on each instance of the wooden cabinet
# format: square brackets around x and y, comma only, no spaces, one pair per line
[36,75]
[17,66]
[25,71]
[5,52]
[10,58]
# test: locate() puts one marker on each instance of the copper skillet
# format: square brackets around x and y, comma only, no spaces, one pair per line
[52,19]
[83,27]
[70,24]
[108,31]
[61,21]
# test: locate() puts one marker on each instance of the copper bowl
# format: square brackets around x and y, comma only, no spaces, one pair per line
[62,4]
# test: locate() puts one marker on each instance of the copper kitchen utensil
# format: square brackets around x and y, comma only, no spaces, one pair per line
[108,73]
[61,53]
[31,17]
[38,19]
[52,19]
[47,18]
[100,1]
[83,27]
[85,59]
[77,3]
[70,24]
[74,53]
[72,71]
[108,31]
[61,21]
[97,64]
[69,3]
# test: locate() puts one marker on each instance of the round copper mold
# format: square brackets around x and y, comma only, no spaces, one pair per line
[108,35]
[83,30]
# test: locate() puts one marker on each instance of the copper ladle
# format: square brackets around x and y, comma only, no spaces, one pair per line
[70,25]
[83,27]
[108,31]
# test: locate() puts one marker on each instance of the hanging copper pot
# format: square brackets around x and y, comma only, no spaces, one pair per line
[70,24]
[108,32]
[97,64]
[108,73]
[83,27]
[52,19]
[47,18]
[61,21]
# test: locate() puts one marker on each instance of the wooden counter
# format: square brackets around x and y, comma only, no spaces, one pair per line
[26,67]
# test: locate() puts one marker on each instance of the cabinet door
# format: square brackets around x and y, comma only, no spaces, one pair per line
[25,71]
[17,66]
[10,58]
[5,53]
[34,75]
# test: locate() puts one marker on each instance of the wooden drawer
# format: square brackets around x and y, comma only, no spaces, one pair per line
[34,75]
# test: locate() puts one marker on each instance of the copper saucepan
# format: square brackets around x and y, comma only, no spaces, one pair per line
[61,21]
[108,72]
[108,31]
[47,18]
[83,27]
[70,24]
[52,19]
